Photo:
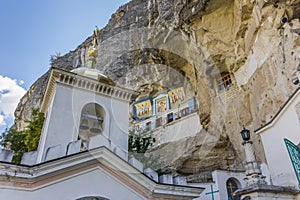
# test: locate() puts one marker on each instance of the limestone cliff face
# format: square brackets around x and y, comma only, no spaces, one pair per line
[191,42]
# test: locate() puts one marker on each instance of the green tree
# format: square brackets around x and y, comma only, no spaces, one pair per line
[139,144]
[15,140]
[34,129]
[24,141]
[54,57]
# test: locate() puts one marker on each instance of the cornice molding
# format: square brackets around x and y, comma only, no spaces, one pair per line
[30,178]
[81,82]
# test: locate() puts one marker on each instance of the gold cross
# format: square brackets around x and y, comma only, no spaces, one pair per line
[230,186]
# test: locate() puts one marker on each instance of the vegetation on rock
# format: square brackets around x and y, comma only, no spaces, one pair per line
[138,144]
[33,130]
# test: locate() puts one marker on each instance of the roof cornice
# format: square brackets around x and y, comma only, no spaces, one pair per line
[278,114]
[31,178]
[82,82]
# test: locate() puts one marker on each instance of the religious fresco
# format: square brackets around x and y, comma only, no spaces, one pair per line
[143,109]
[176,96]
[161,105]
[147,107]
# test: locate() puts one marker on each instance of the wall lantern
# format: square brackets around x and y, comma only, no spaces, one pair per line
[245,134]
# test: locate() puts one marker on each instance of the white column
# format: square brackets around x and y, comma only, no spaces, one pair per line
[250,157]
[253,171]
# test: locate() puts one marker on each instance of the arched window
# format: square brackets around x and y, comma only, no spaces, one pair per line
[92,122]
[224,81]
[92,198]
[232,185]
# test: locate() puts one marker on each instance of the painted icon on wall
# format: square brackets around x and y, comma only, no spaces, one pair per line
[161,105]
[176,96]
[143,109]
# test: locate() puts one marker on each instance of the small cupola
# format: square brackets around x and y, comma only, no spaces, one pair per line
[89,70]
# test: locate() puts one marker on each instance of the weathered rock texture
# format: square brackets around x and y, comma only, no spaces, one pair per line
[163,43]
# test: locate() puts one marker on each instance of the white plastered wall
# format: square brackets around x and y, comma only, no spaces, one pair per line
[93,182]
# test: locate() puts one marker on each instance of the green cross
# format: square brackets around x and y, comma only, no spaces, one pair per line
[212,192]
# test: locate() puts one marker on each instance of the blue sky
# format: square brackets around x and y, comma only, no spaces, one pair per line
[32,30]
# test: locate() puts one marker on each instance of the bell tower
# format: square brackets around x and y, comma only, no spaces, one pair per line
[84,109]
[90,112]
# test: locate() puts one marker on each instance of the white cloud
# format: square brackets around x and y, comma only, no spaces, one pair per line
[10,94]
[2,122]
